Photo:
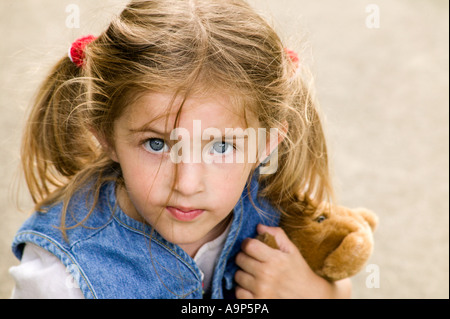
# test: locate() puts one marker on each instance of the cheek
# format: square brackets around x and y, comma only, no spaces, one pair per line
[231,184]
[144,174]
[147,193]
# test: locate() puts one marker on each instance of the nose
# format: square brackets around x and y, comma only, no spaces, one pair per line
[189,179]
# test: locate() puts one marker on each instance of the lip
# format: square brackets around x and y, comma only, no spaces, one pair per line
[183,214]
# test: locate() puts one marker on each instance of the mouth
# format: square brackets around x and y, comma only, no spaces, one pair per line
[184,214]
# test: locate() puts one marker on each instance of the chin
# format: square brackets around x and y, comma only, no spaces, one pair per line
[180,235]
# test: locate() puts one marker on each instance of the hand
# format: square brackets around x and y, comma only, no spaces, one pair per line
[271,273]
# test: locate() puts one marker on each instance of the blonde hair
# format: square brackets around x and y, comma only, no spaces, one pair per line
[176,45]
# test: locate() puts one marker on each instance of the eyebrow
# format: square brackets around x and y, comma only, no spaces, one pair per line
[146,129]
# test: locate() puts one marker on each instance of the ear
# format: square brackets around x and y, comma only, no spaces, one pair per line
[268,156]
[276,136]
[106,146]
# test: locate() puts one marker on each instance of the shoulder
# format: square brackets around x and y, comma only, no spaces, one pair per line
[41,275]
[83,216]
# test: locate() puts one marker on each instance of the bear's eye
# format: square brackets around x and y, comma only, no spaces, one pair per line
[320,219]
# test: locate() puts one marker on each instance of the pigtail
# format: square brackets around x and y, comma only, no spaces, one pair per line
[56,144]
[304,170]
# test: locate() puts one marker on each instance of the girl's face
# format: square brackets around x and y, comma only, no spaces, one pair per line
[211,174]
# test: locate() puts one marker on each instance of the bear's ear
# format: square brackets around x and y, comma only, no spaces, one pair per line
[368,216]
[269,240]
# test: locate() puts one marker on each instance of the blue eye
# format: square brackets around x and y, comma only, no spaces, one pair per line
[155,145]
[222,148]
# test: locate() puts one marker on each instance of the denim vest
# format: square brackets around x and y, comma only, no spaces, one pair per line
[114,256]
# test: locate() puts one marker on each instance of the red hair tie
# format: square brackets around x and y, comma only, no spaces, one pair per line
[293,56]
[76,51]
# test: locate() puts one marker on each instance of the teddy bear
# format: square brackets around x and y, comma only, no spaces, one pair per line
[335,241]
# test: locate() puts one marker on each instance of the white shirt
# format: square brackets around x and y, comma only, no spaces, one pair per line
[41,275]
[207,256]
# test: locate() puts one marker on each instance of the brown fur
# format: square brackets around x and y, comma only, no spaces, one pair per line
[335,241]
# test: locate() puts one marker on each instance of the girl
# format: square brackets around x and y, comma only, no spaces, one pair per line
[120,213]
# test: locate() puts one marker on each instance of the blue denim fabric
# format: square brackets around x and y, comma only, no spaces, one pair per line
[114,256]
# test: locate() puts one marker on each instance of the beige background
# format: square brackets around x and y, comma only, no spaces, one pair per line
[384,95]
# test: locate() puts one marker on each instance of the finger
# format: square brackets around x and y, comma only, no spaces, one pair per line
[242,293]
[245,280]
[247,263]
[257,249]
[281,238]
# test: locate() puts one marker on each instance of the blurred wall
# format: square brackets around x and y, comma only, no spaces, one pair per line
[381,74]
